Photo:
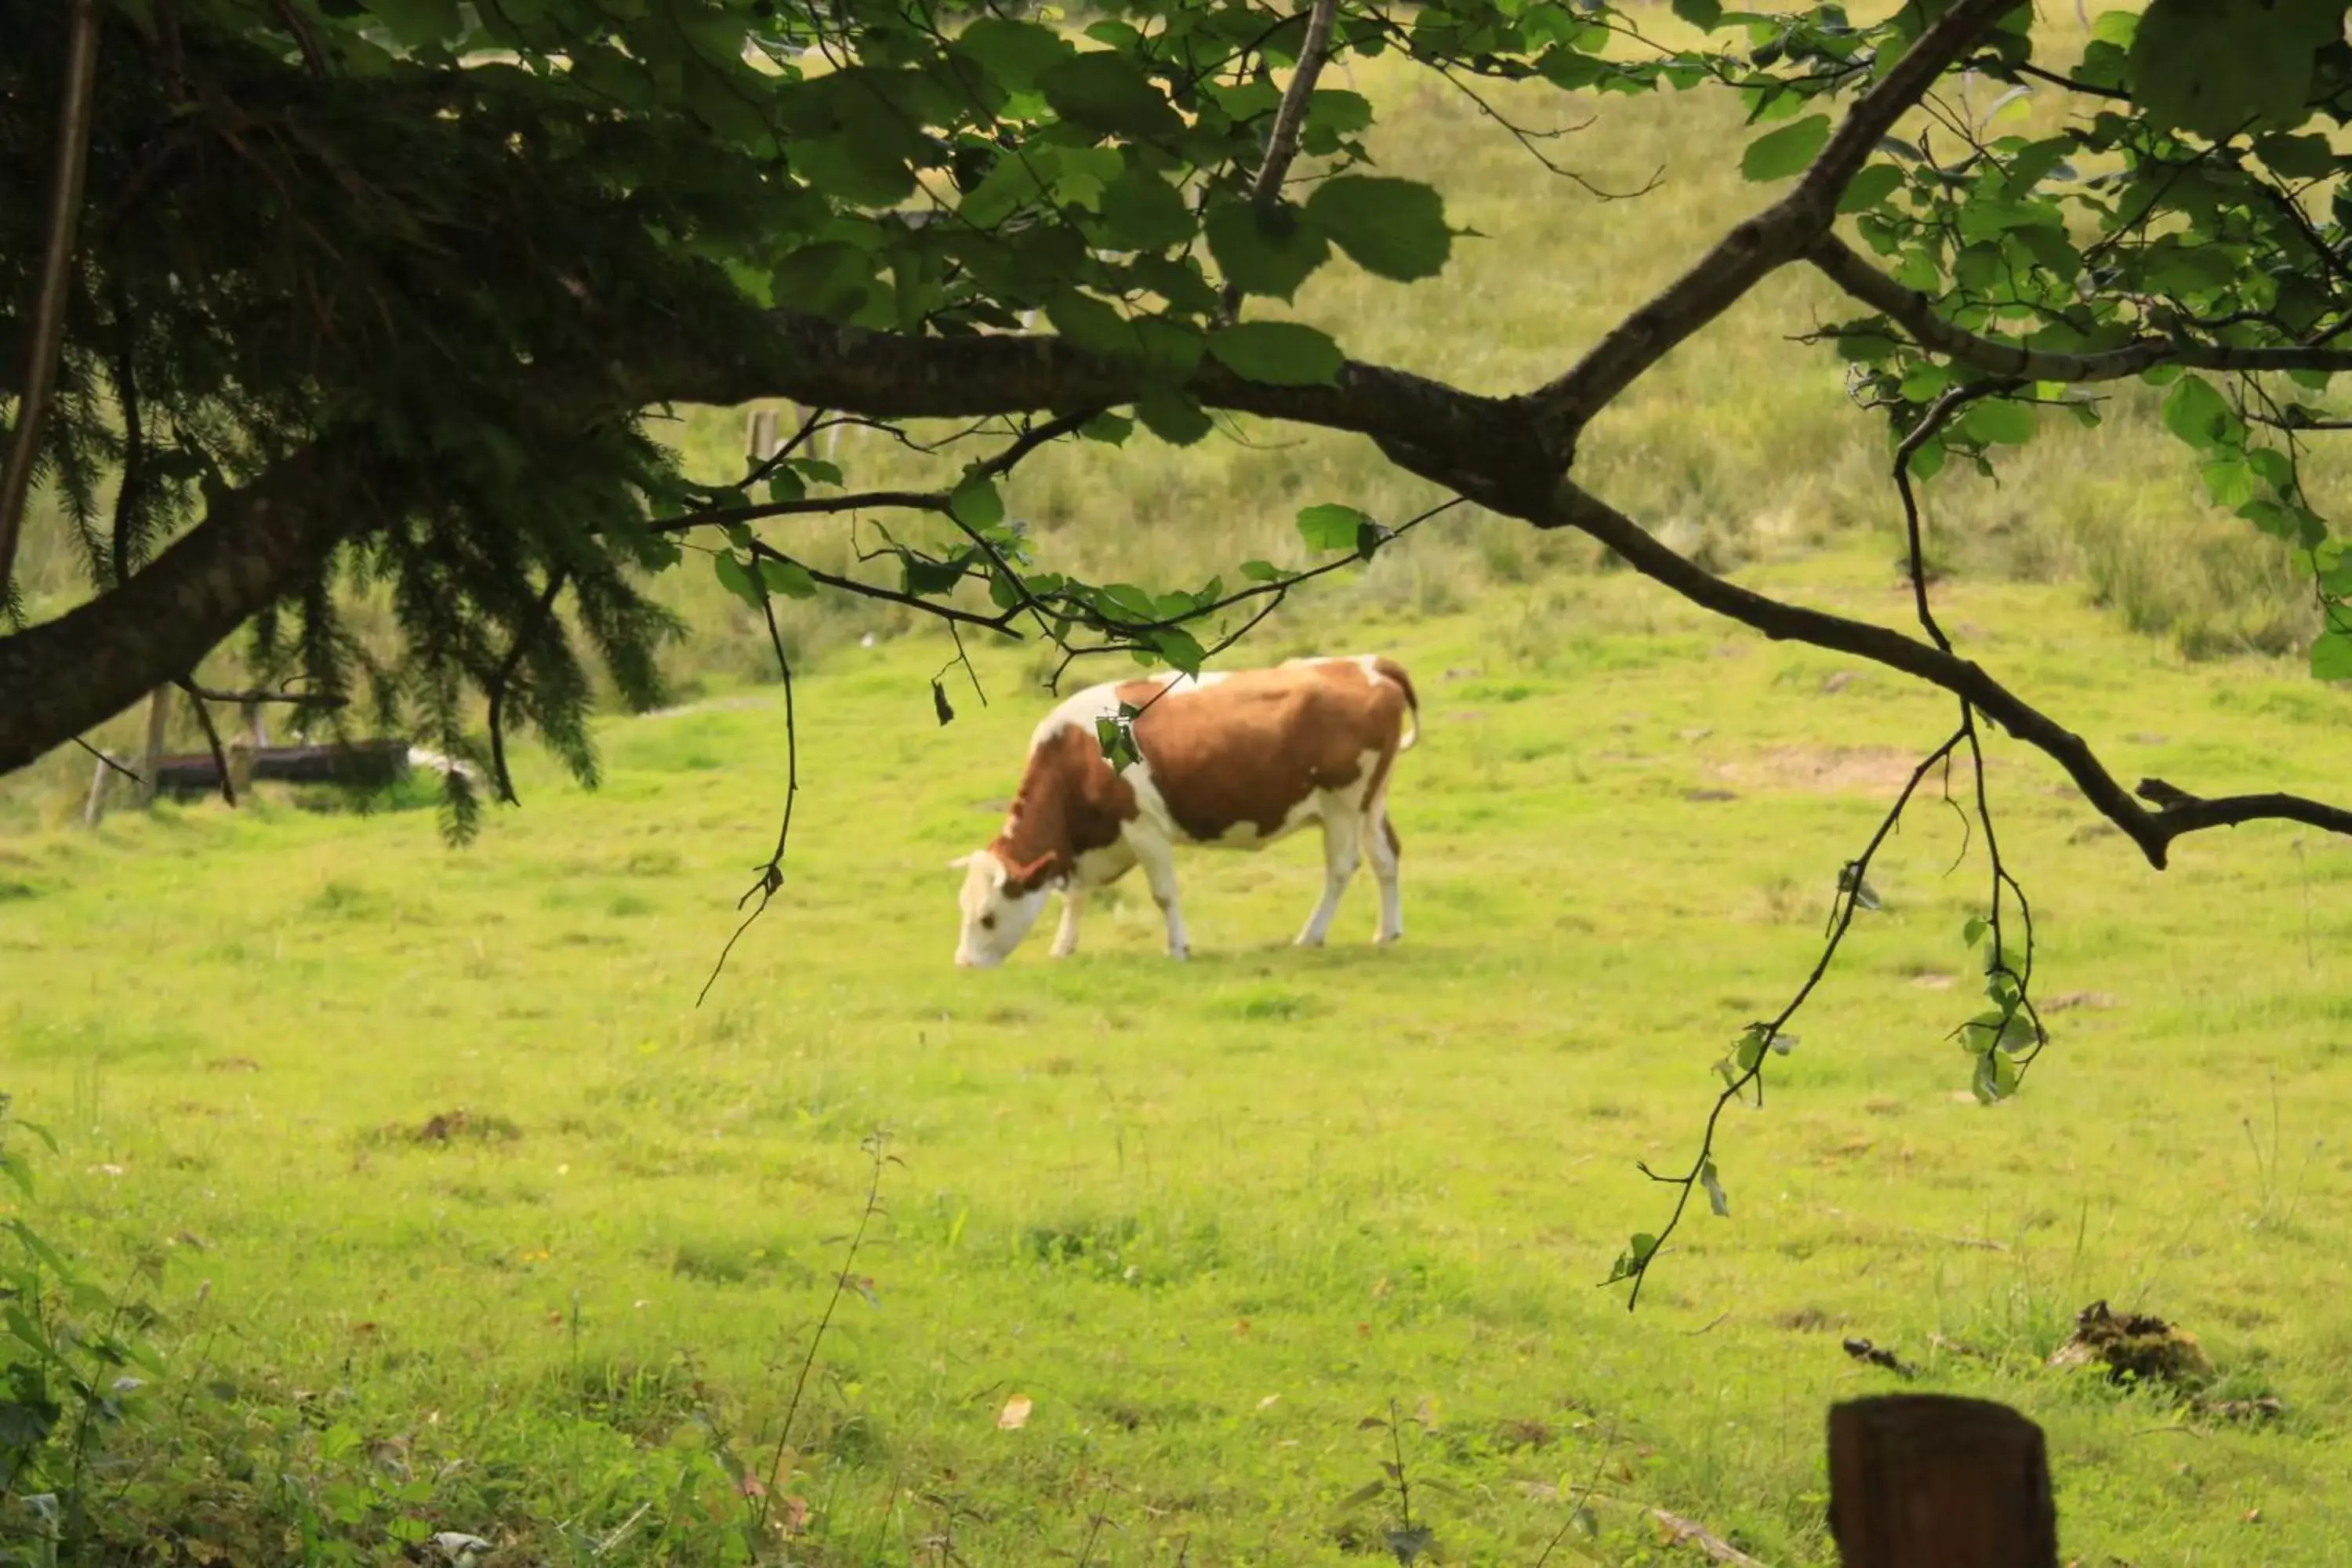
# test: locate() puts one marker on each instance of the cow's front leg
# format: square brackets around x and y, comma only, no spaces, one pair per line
[1157,858]
[1065,938]
[1342,848]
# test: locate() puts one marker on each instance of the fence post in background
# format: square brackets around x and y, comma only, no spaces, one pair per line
[94,807]
[760,439]
[241,748]
[1926,1481]
[159,708]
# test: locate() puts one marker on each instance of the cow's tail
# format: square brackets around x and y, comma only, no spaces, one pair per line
[1391,670]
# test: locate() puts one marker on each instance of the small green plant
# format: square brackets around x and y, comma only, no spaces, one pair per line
[71,1356]
[1406,1539]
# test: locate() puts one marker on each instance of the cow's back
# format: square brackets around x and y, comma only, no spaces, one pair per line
[1254,748]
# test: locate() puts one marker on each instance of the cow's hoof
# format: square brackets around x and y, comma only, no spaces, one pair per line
[1388,939]
[1306,939]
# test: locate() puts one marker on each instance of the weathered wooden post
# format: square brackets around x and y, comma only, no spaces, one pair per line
[760,439]
[159,708]
[1926,1481]
[241,749]
[93,805]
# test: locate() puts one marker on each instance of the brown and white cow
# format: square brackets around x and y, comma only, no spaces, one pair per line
[1235,760]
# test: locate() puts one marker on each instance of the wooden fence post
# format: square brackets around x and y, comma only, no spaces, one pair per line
[159,708]
[760,437]
[1926,1481]
[93,805]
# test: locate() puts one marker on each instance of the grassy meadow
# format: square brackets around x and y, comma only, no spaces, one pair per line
[1201,1221]
[461,1214]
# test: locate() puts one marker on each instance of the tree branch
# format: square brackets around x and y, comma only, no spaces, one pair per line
[1780,234]
[2152,831]
[45,340]
[255,544]
[1282,144]
[1916,314]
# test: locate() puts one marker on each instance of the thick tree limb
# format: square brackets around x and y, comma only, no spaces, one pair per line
[46,337]
[255,544]
[1778,235]
[1916,314]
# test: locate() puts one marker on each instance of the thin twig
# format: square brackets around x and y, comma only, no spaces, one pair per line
[875,1144]
[109,761]
[772,874]
[212,738]
[1931,424]
[542,621]
[1282,144]
[1576,1507]
[1848,900]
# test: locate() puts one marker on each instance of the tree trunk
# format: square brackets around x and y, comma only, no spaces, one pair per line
[1924,1480]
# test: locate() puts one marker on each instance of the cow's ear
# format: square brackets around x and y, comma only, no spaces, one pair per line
[1026,878]
[963,862]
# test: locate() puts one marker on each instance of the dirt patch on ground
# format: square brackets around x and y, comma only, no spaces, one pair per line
[1877,769]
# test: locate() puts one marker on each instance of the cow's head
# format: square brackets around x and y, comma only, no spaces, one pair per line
[1000,904]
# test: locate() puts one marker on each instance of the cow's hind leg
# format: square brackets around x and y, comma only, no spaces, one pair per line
[1343,834]
[1384,851]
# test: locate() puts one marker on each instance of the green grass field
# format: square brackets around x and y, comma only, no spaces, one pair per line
[1208,1219]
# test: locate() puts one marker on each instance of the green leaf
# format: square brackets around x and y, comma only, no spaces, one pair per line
[1140,211]
[2230,480]
[1268,251]
[1261,571]
[417,23]
[1703,14]
[1092,325]
[1338,110]
[2001,420]
[2197,413]
[1115,738]
[1173,416]
[1279,353]
[1995,1077]
[737,578]
[784,485]
[2213,66]
[939,704]
[1112,429]
[1180,647]
[1777,154]
[1716,1199]
[1925,380]
[2296,157]
[1014,52]
[1390,228]
[1874,184]
[926,579]
[2331,656]
[1330,526]
[1973,932]
[789,578]
[1102,89]
[976,503]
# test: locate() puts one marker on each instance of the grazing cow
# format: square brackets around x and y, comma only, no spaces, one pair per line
[1232,761]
